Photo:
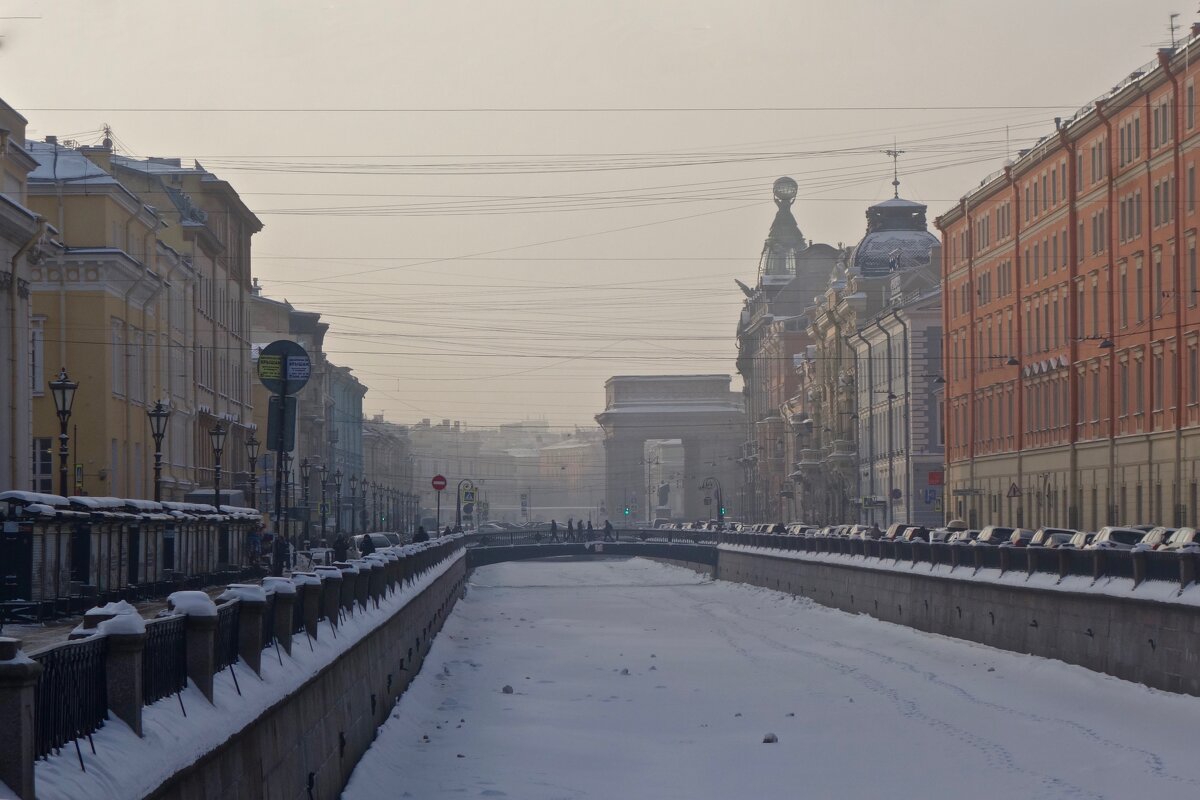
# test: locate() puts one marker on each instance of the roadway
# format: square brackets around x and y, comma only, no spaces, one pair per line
[634,679]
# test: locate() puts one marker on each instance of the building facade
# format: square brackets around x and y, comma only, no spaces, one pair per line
[1072,311]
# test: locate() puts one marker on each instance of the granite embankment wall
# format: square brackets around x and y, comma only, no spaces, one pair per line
[1155,643]
[306,745]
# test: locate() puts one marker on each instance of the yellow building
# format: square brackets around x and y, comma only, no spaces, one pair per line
[145,302]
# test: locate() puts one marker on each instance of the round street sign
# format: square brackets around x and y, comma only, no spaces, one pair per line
[439,482]
[284,367]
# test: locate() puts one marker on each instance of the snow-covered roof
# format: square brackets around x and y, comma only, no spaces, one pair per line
[58,163]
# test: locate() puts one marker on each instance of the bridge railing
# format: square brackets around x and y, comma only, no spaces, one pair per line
[1136,565]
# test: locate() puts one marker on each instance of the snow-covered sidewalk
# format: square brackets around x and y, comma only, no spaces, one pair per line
[637,680]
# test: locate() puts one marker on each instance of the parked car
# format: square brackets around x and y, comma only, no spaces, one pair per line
[940,534]
[1020,537]
[993,535]
[1051,537]
[1112,537]
[1079,541]
[895,531]
[1183,540]
[915,533]
[378,540]
[1155,538]
[963,537]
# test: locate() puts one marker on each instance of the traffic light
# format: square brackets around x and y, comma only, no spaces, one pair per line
[627,511]
[722,511]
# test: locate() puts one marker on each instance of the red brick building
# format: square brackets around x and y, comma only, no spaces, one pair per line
[1071,291]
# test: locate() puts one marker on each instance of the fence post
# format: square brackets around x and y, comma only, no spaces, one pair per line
[348,585]
[1139,567]
[201,656]
[285,603]
[310,603]
[331,586]
[1098,557]
[123,675]
[1187,570]
[250,632]
[18,681]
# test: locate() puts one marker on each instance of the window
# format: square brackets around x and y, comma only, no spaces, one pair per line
[37,342]
[1193,276]
[1095,306]
[1124,388]
[1095,395]
[1193,375]
[1190,107]
[1140,289]
[43,465]
[1139,386]
[1159,383]
[117,357]
[1124,298]
[1191,188]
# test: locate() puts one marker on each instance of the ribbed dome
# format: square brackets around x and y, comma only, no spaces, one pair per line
[897,238]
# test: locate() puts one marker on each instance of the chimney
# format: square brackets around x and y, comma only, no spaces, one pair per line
[51,140]
[1196,29]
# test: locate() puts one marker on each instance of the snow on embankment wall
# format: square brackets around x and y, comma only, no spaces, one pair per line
[308,743]
[1148,636]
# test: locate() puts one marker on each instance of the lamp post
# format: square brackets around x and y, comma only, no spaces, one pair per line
[337,503]
[714,484]
[286,484]
[252,445]
[323,471]
[362,495]
[158,429]
[353,511]
[217,437]
[305,474]
[63,389]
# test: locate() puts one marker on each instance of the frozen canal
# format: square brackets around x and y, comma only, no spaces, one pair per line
[640,681]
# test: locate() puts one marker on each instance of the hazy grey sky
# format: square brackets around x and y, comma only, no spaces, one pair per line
[498,265]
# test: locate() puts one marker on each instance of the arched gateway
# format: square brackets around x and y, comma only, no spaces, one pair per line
[698,410]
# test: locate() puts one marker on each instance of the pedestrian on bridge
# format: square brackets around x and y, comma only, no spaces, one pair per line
[570,529]
[608,531]
[553,530]
[421,535]
[590,532]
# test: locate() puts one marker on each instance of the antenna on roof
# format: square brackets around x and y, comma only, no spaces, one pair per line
[895,154]
[107,141]
[1174,27]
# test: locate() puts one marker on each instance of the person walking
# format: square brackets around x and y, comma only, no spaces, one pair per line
[590,533]
[341,547]
[570,537]
[421,535]
[365,545]
[608,531]
[553,530]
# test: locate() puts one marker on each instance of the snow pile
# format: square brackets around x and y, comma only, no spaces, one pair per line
[244,591]
[111,609]
[193,604]
[281,585]
[859,708]
[303,578]
[123,623]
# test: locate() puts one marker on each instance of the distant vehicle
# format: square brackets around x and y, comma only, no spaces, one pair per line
[1113,538]
[1020,537]
[895,531]
[1079,541]
[963,537]
[1183,540]
[1155,539]
[996,535]
[377,539]
[1051,537]
[915,533]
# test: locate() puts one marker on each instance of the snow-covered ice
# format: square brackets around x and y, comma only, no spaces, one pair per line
[861,708]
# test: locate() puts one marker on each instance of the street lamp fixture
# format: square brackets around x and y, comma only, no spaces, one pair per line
[217,438]
[363,483]
[63,389]
[323,475]
[252,445]
[305,473]
[337,503]
[158,415]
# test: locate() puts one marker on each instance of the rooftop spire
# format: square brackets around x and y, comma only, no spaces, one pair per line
[895,154]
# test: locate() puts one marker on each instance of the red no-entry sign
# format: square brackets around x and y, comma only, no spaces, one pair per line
[439,482]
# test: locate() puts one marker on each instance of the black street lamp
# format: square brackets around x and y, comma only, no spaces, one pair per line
[286,460]
[305,474]
[337,503]
[362,495]
[323,471]
[252,445]
[158,429]
[63,389]
[217,437]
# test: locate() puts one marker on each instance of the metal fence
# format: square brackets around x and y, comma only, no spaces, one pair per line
[71,698]
[1094,564]
[225,642]
[164,661]
[268,624]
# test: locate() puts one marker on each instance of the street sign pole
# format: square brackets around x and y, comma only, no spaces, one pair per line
[439,484]
[283,368]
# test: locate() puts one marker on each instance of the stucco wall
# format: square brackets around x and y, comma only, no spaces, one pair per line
[1154,643]
[323,729]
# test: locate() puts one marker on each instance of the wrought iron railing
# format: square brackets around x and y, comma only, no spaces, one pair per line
[164,661]
[225,643]
[71,698]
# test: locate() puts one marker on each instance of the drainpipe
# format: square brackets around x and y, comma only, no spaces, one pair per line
[13,330]
[870,381]
[1177,131]
[907,409]
[1109,517]
[125,356]
[1074,381]
[891,424]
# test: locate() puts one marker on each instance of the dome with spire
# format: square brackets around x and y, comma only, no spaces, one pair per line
[898,238]
[784,241]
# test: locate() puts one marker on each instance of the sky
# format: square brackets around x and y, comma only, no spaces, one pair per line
[499,205]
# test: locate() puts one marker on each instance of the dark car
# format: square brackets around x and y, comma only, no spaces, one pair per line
[915,534]
[1020,537]
[993,535]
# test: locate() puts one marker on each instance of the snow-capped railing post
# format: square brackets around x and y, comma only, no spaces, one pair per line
[331,592]
[285,601]
[1187,569]
[361,582]
[201,614]
[123,676]
[18,680]
[253,601]
[349,585]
